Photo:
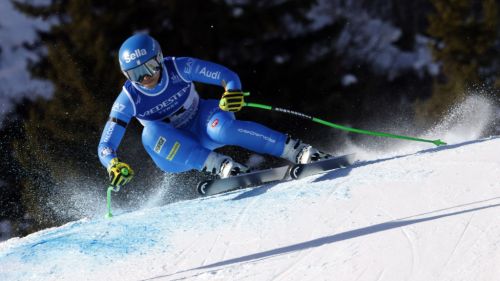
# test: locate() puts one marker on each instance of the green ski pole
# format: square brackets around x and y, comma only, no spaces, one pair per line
[109,214]
[437,142]
[110,189]
[124,172]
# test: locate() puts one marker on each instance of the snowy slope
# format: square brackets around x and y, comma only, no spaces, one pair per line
[426,215]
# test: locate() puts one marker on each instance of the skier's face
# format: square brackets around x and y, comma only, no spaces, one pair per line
[151,81]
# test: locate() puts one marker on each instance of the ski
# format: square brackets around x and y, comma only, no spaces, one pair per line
[299,171]
[215,186]
[257,178]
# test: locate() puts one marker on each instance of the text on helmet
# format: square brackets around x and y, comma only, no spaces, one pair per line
[136,54]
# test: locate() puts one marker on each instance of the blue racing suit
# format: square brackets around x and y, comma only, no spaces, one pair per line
[180,128]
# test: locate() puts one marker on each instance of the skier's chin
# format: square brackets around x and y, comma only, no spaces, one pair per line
[151,82]
[149,85]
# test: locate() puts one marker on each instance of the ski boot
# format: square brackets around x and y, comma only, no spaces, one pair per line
[223,166]
[301,153]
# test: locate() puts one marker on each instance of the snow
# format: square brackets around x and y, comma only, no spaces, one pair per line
[5,229]
[365,39]
[369,39]
[15,80]
[348,80]
[424,214]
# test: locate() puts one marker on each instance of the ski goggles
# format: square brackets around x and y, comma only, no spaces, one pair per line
[149,68]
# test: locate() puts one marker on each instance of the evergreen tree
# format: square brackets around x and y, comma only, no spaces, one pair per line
[409,16]
[12,172]
[466,37]
[61,133]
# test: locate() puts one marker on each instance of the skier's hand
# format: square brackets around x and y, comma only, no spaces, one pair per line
[232,100]
[119,173]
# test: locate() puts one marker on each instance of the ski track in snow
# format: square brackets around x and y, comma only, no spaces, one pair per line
[458,244]
[425,215]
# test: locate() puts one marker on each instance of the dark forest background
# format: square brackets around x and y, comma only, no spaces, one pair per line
[286,52]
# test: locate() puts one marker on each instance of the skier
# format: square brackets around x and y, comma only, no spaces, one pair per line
[181,130]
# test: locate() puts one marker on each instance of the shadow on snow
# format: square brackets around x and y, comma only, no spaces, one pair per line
[350,235]
[340,237]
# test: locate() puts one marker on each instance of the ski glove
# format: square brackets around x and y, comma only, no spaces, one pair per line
[119,173]
[232,100]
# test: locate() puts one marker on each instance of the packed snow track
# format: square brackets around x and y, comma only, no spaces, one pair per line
[431,214]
